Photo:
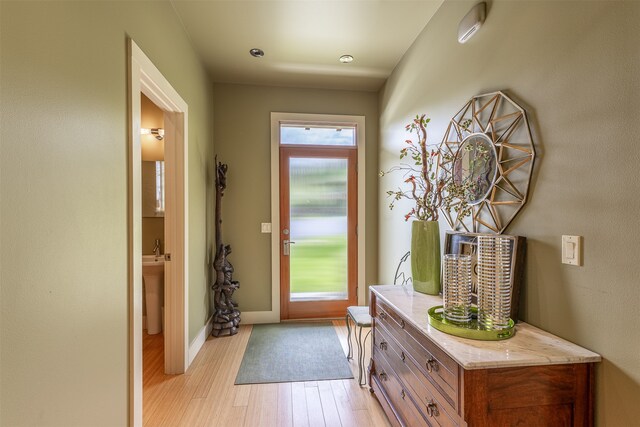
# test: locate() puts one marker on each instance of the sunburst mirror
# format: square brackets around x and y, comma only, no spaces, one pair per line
[488,146]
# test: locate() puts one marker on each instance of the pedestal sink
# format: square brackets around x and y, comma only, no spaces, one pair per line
[153,278]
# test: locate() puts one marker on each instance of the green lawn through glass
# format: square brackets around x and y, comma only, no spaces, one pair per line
[319,264]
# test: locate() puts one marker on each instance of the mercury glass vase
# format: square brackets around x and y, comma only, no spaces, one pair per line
[456,292]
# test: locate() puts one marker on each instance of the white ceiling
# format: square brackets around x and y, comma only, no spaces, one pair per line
[303,39]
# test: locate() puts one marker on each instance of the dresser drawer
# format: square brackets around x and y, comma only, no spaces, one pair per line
[434,363]
[381,395]
[435,406]
[398,396]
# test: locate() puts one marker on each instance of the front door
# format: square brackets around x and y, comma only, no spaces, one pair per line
[318,214]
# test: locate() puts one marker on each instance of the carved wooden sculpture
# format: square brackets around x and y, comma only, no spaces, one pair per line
[226,316]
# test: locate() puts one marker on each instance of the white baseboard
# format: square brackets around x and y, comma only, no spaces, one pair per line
[248,318]
[199,340]
[255,317]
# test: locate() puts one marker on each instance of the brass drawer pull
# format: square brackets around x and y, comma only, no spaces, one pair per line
[432,365]
[383,376]
[383,345]
[432,409]
[402,394]
[383,315]
[402,324]
[402,356]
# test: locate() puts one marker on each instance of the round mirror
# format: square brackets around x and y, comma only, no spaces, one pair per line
[491,183]
[475,167]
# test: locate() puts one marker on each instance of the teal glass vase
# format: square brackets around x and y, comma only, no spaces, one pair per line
[425,257]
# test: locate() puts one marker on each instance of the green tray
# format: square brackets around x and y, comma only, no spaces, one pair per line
[472,330]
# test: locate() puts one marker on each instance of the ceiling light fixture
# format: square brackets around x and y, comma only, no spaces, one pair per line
[345,59]
[256,53]
[157,132]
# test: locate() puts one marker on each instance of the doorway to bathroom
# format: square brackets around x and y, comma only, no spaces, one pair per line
[157,150]
[154,281]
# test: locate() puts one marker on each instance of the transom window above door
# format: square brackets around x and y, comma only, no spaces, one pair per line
[294,134]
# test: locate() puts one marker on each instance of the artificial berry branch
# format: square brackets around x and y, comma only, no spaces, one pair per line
[428,186]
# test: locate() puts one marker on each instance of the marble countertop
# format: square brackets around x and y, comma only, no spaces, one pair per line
[529,346]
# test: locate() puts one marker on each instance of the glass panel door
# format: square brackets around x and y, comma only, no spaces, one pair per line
[318,193]
[318,212]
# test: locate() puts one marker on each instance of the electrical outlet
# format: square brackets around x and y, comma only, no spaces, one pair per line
[572,250]
[265,227]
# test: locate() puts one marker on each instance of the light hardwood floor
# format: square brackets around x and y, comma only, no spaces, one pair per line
[206,395]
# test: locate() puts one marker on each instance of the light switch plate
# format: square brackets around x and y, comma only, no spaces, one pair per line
[572,250]
[265,227]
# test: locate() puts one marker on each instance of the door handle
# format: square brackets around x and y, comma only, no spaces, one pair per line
[286,244]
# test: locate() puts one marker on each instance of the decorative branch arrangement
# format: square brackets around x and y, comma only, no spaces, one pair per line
[429,187]
[226,316]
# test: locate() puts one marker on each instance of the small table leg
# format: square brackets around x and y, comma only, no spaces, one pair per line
[349,356]
[361,345]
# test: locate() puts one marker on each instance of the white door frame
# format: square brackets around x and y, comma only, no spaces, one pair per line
[273,315]
[145,78]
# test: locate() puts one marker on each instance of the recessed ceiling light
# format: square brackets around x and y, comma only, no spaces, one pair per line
[345,59]
[257,53]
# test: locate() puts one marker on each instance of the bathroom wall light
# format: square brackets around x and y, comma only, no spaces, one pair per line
[157,132]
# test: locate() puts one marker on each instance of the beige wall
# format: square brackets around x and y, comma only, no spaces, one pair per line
[575,66]
[242,133]
[63,254]
[152,229]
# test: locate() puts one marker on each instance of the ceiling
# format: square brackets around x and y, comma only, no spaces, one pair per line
[303,39]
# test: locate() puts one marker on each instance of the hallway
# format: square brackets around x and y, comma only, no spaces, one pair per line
[206,395]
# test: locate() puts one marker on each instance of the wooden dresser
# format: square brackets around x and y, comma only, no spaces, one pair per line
[422,376]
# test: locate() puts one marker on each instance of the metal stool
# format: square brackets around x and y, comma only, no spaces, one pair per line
[362,319]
